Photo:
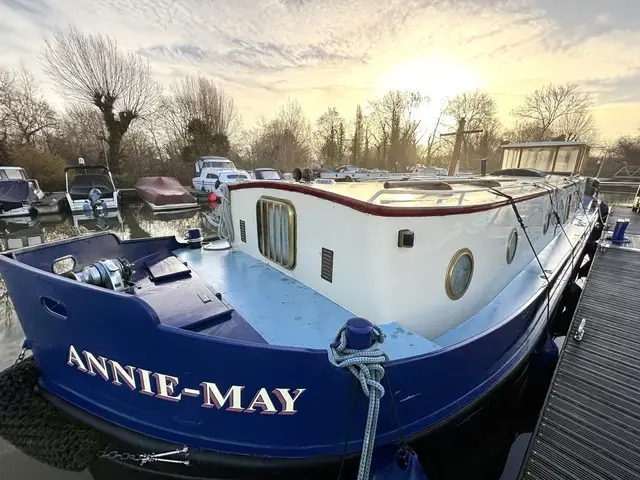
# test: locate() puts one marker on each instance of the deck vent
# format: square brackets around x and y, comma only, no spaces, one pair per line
[276,220]
[243,232]
[326,267]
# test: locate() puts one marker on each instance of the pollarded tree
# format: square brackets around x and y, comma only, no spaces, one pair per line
[93,69]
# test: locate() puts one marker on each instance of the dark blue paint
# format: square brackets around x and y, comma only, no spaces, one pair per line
[125,328]
[360,333]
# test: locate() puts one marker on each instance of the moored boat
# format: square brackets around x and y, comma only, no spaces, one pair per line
[239,353]
[163,194]
[17,192]
[90,186]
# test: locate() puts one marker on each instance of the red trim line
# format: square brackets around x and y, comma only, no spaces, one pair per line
[381,210]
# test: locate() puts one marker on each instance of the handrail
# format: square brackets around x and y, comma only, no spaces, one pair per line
[443,193]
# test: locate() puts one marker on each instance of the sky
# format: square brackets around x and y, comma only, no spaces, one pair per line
[344,52]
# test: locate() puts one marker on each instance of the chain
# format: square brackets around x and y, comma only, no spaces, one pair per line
[144,458]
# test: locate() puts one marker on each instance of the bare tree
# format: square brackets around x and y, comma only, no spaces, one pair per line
[330,137]
[395,127]
[579,126]
[29,112]
[201,117]
[479,110]
[543,108]
[93,69]
[283,142]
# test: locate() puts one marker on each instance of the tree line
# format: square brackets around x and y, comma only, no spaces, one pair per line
[116,112]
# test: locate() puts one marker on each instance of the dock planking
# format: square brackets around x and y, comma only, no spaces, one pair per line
[589,427]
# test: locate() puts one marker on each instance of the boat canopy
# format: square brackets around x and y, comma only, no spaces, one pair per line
[560,158]
[83,182]
[13,193]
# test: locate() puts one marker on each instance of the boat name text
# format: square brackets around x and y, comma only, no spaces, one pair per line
[281,401]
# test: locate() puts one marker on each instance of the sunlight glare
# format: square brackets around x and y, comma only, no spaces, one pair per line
[437,77]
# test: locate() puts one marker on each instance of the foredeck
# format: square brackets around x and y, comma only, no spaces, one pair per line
[282,310]
[589,427]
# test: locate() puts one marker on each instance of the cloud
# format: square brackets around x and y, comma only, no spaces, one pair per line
[336,52]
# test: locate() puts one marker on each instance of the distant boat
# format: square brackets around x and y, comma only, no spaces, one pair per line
[88,179]
[266,174]
[163,194]
[210,179]
[17,192]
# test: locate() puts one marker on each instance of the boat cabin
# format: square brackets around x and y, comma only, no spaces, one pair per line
[559,158]
[426,254]
[213,164]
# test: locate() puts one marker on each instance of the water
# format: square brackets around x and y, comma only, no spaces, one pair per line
[494,454]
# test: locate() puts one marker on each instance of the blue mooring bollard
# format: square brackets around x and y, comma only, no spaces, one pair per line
[194,238]
[619,230]
[360,333]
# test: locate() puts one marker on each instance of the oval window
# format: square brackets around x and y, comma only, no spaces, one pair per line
[459,274]
[560,210]
[547,221]
[512,245]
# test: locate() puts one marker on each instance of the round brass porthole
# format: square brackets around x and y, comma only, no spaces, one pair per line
[459,274]
[512,245]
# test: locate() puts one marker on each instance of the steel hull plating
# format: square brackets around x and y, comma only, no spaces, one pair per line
[286,404]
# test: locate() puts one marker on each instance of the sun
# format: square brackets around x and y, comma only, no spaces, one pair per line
[439,78]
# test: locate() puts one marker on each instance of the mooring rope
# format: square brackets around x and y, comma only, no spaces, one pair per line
[366,366]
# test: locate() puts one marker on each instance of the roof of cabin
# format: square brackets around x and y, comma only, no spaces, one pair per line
[544,144]
[374,198]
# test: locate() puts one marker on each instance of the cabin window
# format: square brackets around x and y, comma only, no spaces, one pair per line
[459,274]
[276,221]
[15,174]
[566,160]
[512,245]
[212,175]
[567,210]
[547,221]
[538,158]
[510,158]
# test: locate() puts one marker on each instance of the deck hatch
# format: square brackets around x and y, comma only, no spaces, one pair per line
[326,267]
[243,232]
[276,221]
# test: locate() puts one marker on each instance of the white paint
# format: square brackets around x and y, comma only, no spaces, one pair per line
[375,279]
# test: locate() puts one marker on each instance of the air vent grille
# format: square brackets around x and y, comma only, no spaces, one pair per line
[243,232]
[326,269]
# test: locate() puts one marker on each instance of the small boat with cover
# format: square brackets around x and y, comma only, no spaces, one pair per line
[163,194]
[329,319]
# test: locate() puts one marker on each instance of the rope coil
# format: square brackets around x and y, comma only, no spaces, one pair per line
[366,366]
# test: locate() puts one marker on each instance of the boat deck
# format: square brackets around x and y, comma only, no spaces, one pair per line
[285,312]
[589,427]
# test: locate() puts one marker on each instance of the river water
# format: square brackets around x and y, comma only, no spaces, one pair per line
[496,454]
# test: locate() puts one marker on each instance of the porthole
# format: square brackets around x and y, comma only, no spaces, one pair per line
[459,274]
[547,221]
[512,245]
[560,210]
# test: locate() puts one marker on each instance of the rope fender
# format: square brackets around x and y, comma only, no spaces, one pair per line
[37,428]
[366,366]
